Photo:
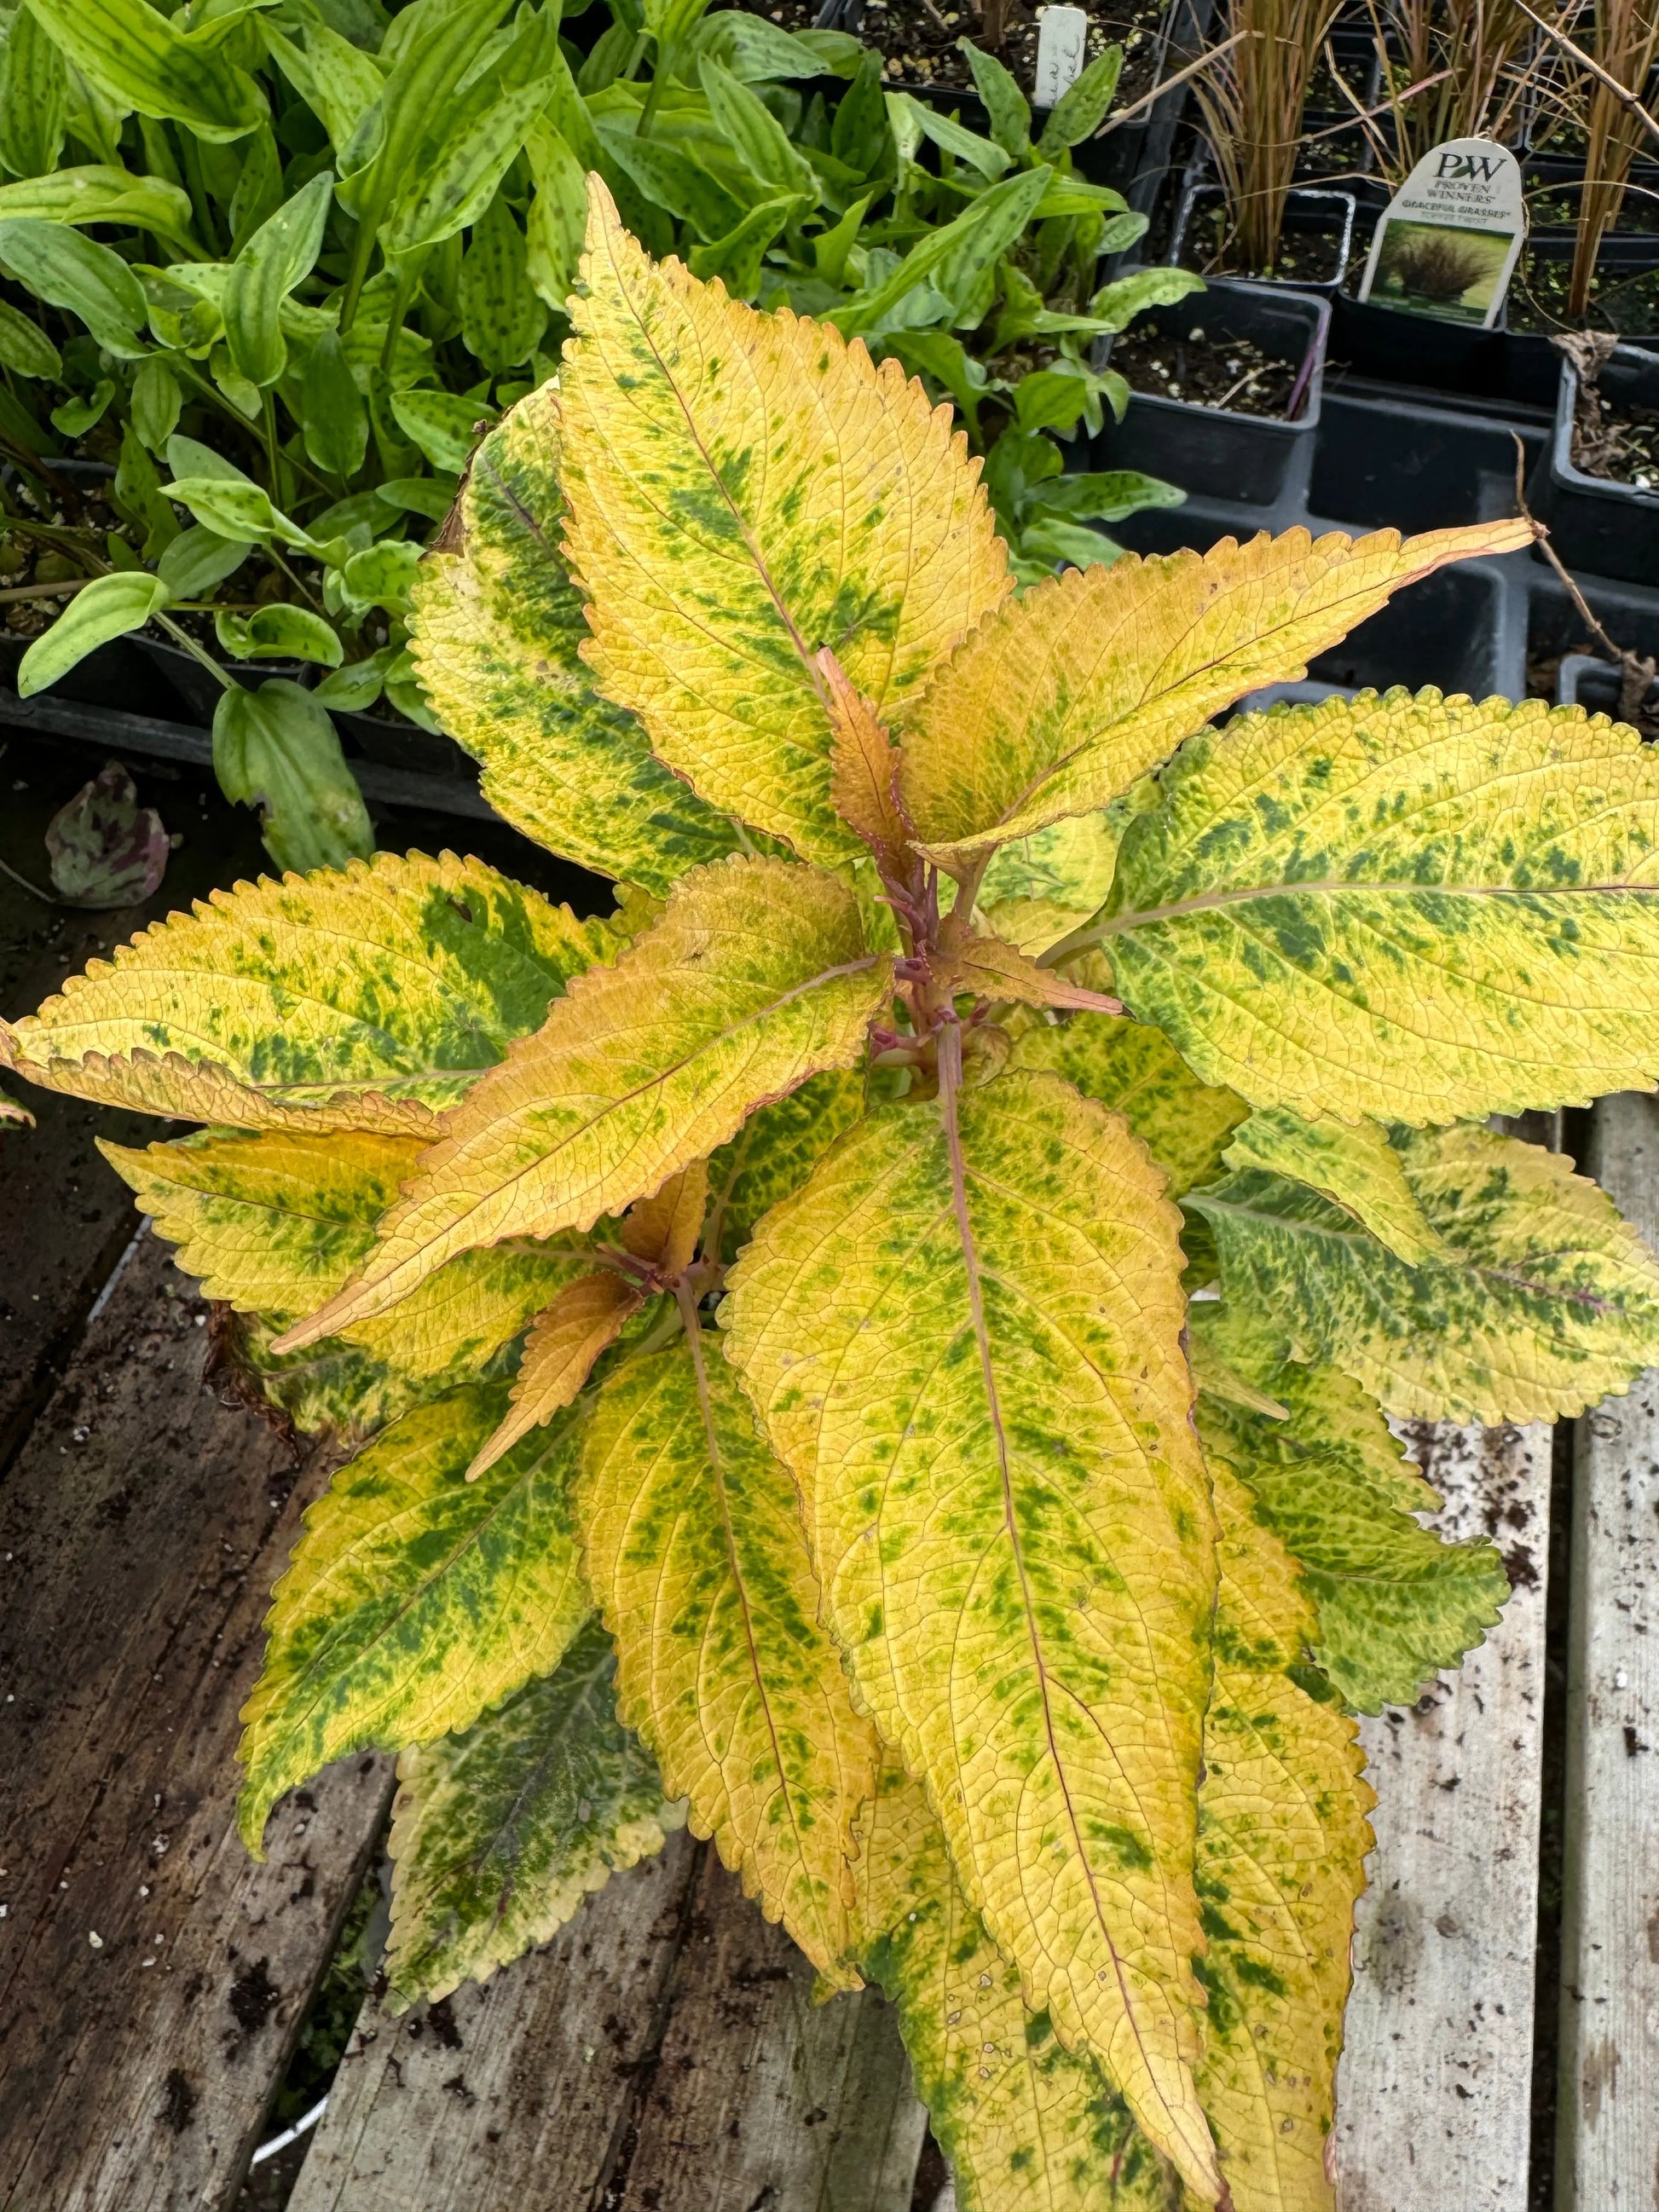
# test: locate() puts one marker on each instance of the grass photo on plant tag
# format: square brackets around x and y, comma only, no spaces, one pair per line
[1433,269]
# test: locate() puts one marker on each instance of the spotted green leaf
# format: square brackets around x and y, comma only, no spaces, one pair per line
[364,998]
[745,489]
[1059,702]
[498,631]
[1352,1164]
[415,1599]
[964,1342]
[1184,1124]
[1546,1301]
[1413,908]
[134,55]
[1027,2126]
[1282,1838]
[1395,1603]
[499,1830]
[700,1567]
[755,978]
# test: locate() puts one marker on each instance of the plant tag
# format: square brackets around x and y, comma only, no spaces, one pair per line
[1448,241]
[1062,49]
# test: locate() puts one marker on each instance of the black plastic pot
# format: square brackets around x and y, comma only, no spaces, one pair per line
[1593,684]
[1595,523]
[394,741]
[1387,458]
[199,691]
[1254,458]
[1311,212]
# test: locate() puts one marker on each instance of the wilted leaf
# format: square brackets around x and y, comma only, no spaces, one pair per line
[106,850]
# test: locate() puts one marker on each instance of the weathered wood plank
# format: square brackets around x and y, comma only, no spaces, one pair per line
[141,1528]
[768,2099]
[1607,2142]
[662,2051]
[1433,2095]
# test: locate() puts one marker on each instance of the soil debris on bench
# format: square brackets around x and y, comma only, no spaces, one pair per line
[1205,369]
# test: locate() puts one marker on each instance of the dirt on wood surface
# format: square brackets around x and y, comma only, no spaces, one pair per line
[919,43]
[1207,370]
[151,1975]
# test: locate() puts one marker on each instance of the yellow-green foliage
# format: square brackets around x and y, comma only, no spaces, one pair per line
[763,1315]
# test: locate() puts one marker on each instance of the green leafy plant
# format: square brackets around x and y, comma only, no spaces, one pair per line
[332,246]
[879,1348]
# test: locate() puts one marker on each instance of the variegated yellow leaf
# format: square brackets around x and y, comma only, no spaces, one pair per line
[774,1151]
[1352,1163]
[745,489]
[1027,2126]
[500,1830]
[1135,1070]
[695,1550]
[586,1316]
[1282,1838]
[1547,1300]
[755,978]
[966,1345]
[663,1230]
[415,1599]
[1395,1603]
[1060,701]
[1039,889]
[497,632]
[1416,910]
[271,1221]
[361,998]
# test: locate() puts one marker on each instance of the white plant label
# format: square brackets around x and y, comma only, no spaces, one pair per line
[1449,241]
[1062,49]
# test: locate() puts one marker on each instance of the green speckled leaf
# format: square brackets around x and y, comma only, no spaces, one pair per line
[976,1376]
[745,489]
[1039,889]
[1352,1163]
[1135,1070]
[362,998]
[1547,1300]
[695,1549]
[1395,1603]
[777,1149]
[1417,910]
[1027,2126]
[415,1599]
[500,1830]
[497,634]
[1282,1838]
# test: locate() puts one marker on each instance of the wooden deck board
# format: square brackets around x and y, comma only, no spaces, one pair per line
[1434,2091]
[662,2052]
[1607,2142]
[141,1528]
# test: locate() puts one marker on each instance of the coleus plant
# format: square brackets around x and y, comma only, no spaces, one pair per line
[880,1347]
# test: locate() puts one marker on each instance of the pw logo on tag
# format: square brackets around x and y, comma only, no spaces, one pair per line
[1483,166]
